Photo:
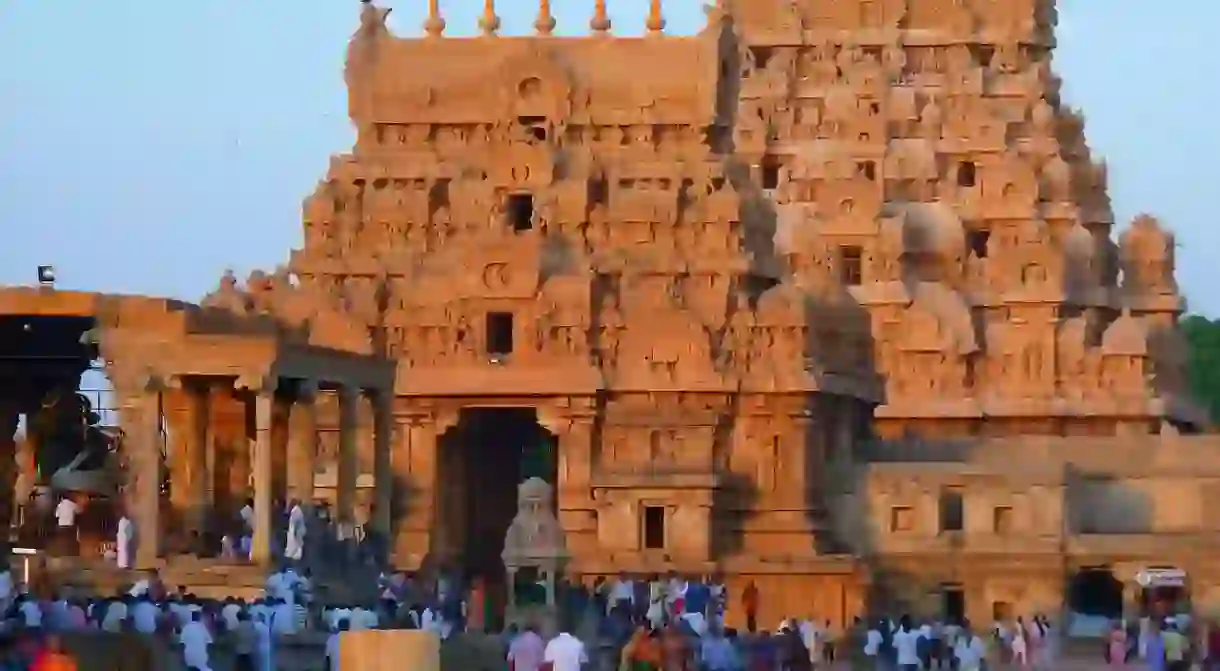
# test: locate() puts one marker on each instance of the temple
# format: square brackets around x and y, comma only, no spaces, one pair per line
[829,303]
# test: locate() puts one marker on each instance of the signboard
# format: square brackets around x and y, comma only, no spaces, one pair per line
[1161,577]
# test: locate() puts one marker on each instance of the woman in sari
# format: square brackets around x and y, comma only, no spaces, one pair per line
[642,652]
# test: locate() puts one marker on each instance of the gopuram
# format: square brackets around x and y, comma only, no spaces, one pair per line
[823,298]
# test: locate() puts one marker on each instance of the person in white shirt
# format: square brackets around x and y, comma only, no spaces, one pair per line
[144,615]
[65,522]
[294,545]
[565,652]
[622,593]
[1019,647]
[873,640]
[969,650]
[283,619]
[115,616]
[31,613]
[247,535]
[196,639]
[906,645]
[229,613]
[123,541]
[810,636]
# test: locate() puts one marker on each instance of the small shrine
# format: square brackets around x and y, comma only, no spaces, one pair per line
[534,542]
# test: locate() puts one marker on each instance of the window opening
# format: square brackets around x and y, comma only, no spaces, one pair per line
[976,241]
[654,528]
[868,170]
[951,509]
[902,518]
[966,173]
[770,175]
[851,264]
[521,211]
[1001,520]
[953,603]
[499,336]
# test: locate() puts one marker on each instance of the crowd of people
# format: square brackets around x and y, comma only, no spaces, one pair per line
[659,624]
[655,623]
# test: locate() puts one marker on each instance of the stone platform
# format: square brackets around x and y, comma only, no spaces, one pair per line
[205,578]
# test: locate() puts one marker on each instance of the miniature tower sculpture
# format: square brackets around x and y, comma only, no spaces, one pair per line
[534,539]
[600,23]
[434,26]
[545,23]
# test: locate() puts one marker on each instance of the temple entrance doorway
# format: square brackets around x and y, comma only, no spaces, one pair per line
[1096,592]
[483,458]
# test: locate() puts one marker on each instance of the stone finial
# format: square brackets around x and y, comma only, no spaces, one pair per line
[489,22]
[600,23]
[656,19]
[545,24]
[434,25]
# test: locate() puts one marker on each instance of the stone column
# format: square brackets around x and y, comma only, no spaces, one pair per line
[209,451]
[383,475]
[139,403]
[179,410]
[10,417]
[415,468]
[303,443]
[574,490]
[262,465]
[200,442]
[345,485]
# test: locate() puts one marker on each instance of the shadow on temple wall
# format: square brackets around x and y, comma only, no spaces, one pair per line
[732,500]
[1097,503]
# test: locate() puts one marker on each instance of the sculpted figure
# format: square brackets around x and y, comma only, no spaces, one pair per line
[894,59]
[1056,180]
[227,295]
[930,120]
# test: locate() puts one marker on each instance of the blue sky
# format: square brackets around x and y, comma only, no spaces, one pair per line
[145,146]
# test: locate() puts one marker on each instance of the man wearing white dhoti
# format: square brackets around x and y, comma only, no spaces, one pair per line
[123,541]
[294,546]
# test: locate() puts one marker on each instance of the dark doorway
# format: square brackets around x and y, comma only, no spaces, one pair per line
[1095,591]
[483,459]
[953,603]
[654,528]
[499,336]
[521,211]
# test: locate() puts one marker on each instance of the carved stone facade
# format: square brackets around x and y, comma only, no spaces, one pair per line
[817,222]
[718,265]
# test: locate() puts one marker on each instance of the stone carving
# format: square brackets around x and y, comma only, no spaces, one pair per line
[534,538]
[894,217]
[303,312]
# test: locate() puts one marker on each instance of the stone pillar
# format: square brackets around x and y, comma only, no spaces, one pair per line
[799,487]
[179,409]
[262,466]
[208,481]
[574,490]
[383,475]
[10,417]
[345,485]
[415,465]
[139,403]
[197,443]
[303,443]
